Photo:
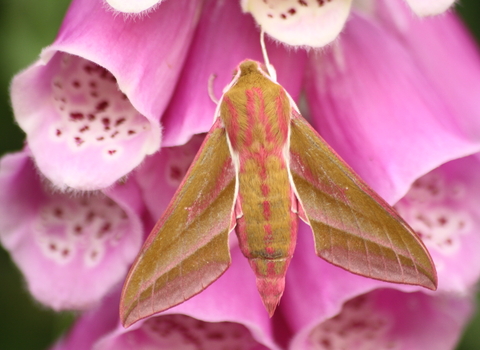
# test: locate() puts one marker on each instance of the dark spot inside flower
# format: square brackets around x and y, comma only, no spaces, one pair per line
[78,230]
[78,140]
[104,229]
[88,68]
[52,246]
[320,2]
[270,15]
[58,132]
[102,105]
[175,173]
[461,224]
[76,84]
[105,74]
[65,252]
[120,121]
[112,152]
[131,132]
[448,241]
[94,255]
[58,84]
[93,84]
[90,216]
[58,212]
[442,220]
[215,335]
[326,343]
[302,3]
[292,11]
[101,138]
[76,116]
[283,16]
[85,128]
[200,325]
[91,117]
[114,134]
[94,94]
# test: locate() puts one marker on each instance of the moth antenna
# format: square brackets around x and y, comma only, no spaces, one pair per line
[211,93]
[270,68]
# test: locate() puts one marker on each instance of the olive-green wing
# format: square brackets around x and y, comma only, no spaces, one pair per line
[188,248]
[353,227]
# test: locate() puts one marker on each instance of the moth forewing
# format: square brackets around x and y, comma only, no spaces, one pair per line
[353,227]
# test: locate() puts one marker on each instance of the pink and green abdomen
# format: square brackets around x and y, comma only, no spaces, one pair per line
[256,114]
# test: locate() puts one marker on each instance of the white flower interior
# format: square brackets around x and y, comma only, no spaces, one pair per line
[432,208]
[93,111]
[358,326]
[83,226]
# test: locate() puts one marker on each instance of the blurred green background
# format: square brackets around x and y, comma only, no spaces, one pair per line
[25,27]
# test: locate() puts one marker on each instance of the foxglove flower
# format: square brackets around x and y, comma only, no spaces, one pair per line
[374,95]
[442,208]
[71,249]
[390,319]
[215,319]
[94,99]
[389,116]
[444,213]
[299,22]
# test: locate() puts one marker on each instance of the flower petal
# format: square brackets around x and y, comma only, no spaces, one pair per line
[447,56]
[377,108]
[161,174]
[130,6]
[442,207]
[325,286]
[225,301]
[429,7]
[71,250]
[92,325]
[313,23]
[222,29]
[390,319]
[215,319]
[83,132]
[181,332]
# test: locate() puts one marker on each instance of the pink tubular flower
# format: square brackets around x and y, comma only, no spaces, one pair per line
[93,100]
[390,319]
[382,96]
[71,249]
[445,215]
[215,319]
[299,22]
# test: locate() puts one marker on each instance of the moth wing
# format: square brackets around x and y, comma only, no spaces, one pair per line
[188,248]
[353,227]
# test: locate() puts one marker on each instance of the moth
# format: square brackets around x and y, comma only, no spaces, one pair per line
[259,169]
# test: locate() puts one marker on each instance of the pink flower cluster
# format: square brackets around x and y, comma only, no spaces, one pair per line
[395,95]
